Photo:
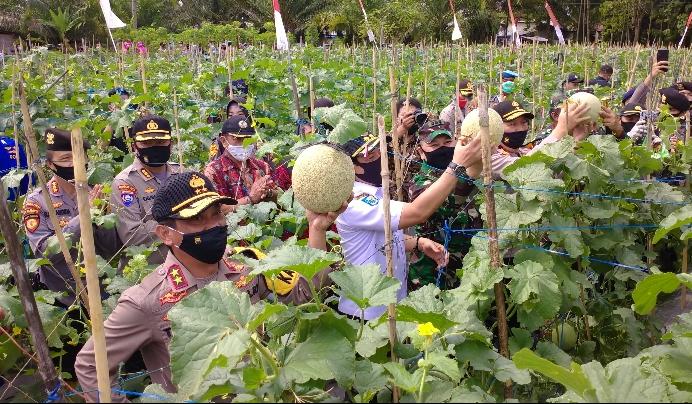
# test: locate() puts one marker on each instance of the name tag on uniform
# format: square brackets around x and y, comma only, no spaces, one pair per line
[368,199]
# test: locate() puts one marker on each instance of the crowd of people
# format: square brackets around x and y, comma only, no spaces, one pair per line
[159,201]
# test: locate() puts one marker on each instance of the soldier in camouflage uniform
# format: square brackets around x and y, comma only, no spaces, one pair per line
[435,148]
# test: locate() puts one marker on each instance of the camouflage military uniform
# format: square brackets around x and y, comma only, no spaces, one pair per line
[459,212]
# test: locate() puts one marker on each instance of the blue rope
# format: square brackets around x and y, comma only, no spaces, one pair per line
[448,237]
[53,395]
[551,228]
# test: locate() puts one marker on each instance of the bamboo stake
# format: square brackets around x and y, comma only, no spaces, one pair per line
[374,88]
[32,149]
[457,127]
[144,77]
[425,79]
[685,249]
[89,251]
[294,89]
[533,92]
[395,121]
[492,229]
[38,337]
[230,76]
[391,309]
[312,102]
[177,127]
[630,76]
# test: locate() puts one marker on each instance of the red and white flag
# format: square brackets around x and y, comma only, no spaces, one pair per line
[687,26]
[281,39]
[112,20]
[554,23]
[515,32]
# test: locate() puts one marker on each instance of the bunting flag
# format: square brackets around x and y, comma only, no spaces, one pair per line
[112,20]
[515,32]
[281,39]
[371,35]
[554,23]
[456,32]
[684,33]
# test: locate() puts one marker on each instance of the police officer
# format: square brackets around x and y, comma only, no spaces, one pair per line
[135,187]
[63,195]
[187,211]
[12,156]
[516,126]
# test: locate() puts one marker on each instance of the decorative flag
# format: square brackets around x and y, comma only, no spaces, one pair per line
[112,20]
[281,39]
[371,35]
[687,26]
[456,32]
[554,23]
[515,32]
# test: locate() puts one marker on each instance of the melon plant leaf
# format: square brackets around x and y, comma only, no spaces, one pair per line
[647,290]
[345,123]
[566,235]
[303,260]
[325,355]
[675,220]
[511,214]
[365,285]
[531,181]
[401,376]
[535,288]
[223,312]
[574,378]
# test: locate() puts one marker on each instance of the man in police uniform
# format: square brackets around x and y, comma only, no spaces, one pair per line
[135,187]
[187,210]
[516,125]
[39,229]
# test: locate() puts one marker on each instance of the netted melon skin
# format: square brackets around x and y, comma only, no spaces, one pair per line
[591,100]
[471,127]
[322,179]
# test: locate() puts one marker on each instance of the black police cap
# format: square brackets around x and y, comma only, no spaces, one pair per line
[510,110]
[60,140]
[672,97]
[151,127]
[185,196]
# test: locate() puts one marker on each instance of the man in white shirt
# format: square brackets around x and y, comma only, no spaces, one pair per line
[361,226]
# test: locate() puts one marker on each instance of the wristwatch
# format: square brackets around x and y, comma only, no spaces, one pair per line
[458,170]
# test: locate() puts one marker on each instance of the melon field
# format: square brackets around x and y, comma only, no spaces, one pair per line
[593,236]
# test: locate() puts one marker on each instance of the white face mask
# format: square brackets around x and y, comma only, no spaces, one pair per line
[241,153]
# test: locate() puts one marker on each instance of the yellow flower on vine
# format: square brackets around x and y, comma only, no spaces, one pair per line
[427,329]
[16,331]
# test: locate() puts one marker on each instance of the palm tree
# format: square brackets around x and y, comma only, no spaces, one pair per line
[62,22]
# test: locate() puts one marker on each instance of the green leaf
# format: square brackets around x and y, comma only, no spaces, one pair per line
[573,379]
[347,125]
[402,378]
[532,179]
[370,377]
[303,260]
[647,290]
[222,311]
[566,235]
[535,288]
[446,365]
[675,220]
[366,286]
[511,214]
[325,355]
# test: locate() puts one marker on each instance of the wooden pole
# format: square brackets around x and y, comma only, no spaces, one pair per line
[374,88]
[685,248]
[391,309]
[312,101]
[89,251]
[294,89]
[32,149]
[38,337]
[456,126]
[144,77]
[492,229]
[395,121]
[177,127]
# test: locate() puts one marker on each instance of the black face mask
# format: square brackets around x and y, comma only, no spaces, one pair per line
[372,174]
[515,140]
[206,246]
[66,173]
[154,156]
[627,126]
[440,158]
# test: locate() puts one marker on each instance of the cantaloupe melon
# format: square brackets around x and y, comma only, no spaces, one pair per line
[322,178]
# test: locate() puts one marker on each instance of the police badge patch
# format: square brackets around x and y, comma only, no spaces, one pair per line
[127,197]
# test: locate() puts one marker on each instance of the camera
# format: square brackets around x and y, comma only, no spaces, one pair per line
[420,118]
[651,116]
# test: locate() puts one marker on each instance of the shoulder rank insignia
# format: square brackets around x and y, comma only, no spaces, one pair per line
[57,205]
[283,283]
[234,267]
[31,208]
[63,222]
[172,297]
[54,188]
[177,277]
[242,282]
[150,190]
[213,150]
[146,174]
